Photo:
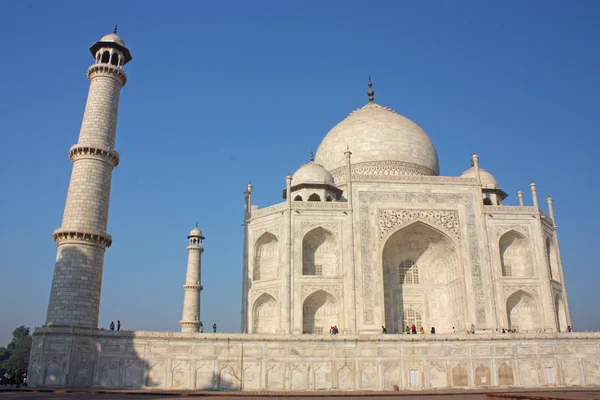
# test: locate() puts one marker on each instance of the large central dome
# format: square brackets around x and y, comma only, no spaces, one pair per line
[382,138]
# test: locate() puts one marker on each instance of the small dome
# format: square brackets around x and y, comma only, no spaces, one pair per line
[487,179]
[378,134]
[113,38]
[196,232]
[312,173]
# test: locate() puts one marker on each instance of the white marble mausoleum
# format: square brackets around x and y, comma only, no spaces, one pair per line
[368,236]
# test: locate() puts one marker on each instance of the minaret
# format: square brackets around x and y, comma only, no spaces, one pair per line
[190,320]
[82,238]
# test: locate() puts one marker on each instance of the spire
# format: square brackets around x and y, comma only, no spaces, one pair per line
[371,92]
[115,30]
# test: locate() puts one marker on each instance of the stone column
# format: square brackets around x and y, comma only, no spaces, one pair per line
[246,264]
[190,320]
[520,196]
[287,284]
[353,326]
[533,188]
[82,238]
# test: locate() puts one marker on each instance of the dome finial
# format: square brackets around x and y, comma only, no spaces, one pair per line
[312,156]
[115,30]
[371,92]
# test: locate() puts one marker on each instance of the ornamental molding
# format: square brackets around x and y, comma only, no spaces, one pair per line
[307,226]
[320,204]
[273,291]
[100,239]
[78,151]
[510,209]
[365,200]
[334,290]
[256,212]
[509,290]
[272,229]
[500,230]
[108,69]
[447,220]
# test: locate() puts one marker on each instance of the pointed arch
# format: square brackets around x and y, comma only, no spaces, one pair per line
[561,316]
[320,312]
[420,254]
[483,376]
[505,375]
[105,57]
[314,197]
[552,259]
[522,312]
[460,377]
[298,198]
[515,255]
[319,253]
[265,314]
[266,257]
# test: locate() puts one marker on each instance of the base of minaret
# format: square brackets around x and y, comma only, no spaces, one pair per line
[189,326]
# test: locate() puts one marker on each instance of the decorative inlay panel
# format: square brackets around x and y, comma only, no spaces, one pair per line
[334,290]
[267,210]
[447,220]
[272,229]
[509,290]
[307,226]
[502,229]
[273,291]
[466,200]
[511,209]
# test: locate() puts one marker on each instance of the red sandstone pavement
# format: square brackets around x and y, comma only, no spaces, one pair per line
[570,394]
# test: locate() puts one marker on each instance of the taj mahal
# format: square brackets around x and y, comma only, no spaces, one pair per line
[369,237]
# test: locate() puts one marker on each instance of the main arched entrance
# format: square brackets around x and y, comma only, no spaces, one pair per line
[422,280]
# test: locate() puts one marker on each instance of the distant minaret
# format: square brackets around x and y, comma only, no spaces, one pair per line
[190,320]
[82,239]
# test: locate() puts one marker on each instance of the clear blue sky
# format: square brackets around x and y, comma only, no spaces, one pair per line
[220,93]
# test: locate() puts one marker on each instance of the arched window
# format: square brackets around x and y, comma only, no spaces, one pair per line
[329,198]
[264,315]
[408,273]
[487,201]
[319,313]
[319,253]
[266,258]
[114,60]
[298,198]
[515,255]
[314,197]
[412,317]
[105,57]
[521,310]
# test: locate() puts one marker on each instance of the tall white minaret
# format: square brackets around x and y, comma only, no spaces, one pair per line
[190,320]
[82,238]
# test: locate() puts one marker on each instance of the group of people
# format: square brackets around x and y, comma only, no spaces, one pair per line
[201,327]
[334,330]
[112,325]
[14,378]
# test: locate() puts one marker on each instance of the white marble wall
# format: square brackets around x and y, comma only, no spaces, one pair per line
[166,360]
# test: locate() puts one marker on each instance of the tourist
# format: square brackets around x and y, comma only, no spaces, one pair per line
[112,325]
[215,327]
[422,331]
[453,330]
[383,330]
[201,327]
[118,325]
[407,330]
[569,329]
[335,329]
[433,330]
[472,329]
[503,330]
[413,329]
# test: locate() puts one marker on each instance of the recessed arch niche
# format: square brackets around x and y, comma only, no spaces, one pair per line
[515,255]
[320,312]
[552,259]
[265,314]
[522,312]
[422,270]
[319,253]
[266,258]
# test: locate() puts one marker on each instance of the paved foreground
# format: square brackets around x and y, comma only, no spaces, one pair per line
[570,394]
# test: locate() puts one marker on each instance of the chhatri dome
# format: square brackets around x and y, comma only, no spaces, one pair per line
[312,173]
[487,179]
[378,134]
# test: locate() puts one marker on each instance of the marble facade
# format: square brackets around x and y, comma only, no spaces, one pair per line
[79,357]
